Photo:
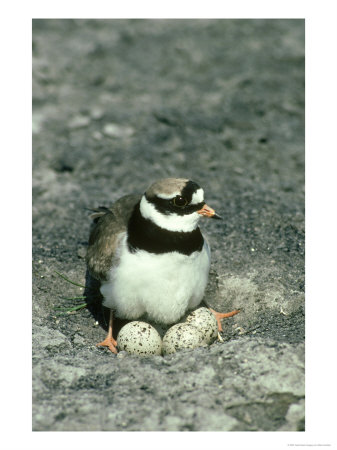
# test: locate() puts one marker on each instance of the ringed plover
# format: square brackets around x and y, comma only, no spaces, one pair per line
[150,255]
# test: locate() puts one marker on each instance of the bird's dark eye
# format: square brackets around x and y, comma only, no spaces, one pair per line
[180,201]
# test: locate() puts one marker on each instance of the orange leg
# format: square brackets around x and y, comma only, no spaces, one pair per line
[220,316]
[109,341]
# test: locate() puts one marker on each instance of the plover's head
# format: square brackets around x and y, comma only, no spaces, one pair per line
[175,204]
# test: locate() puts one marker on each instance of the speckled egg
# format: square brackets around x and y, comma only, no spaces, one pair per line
[182,335]
[204,320]
[139,338]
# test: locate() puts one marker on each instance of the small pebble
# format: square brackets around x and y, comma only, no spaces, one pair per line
[78,122]
[81,252]
[97,135]
[117,131]
[96,113]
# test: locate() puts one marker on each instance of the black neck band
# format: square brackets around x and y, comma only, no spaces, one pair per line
[143,234]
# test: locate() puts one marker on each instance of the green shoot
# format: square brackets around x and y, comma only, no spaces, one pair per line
[69,281]
[73,308]
[69,310]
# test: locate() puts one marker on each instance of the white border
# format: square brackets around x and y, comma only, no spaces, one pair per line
[321,76]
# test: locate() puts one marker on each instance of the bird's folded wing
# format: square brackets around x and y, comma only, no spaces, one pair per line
[105,234]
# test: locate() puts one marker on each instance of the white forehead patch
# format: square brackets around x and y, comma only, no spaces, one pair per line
[197,197]
[168,196]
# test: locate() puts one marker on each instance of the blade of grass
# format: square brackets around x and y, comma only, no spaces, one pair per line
[69,281]
[74,308]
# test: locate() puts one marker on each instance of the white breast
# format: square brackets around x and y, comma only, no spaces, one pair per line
[164,286]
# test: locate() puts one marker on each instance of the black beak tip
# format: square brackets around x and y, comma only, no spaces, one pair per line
[216,216]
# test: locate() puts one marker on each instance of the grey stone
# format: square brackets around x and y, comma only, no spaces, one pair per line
[79,122]
[117,131]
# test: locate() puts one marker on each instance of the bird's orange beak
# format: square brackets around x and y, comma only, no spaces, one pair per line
[207,211]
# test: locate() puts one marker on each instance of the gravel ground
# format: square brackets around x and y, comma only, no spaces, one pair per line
[118,104]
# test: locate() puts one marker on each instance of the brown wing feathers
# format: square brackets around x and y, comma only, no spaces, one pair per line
[105,235]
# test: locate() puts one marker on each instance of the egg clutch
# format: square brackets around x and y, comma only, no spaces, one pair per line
[141,338]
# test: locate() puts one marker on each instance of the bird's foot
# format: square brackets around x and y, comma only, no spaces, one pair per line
[109,342]
[219,316]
